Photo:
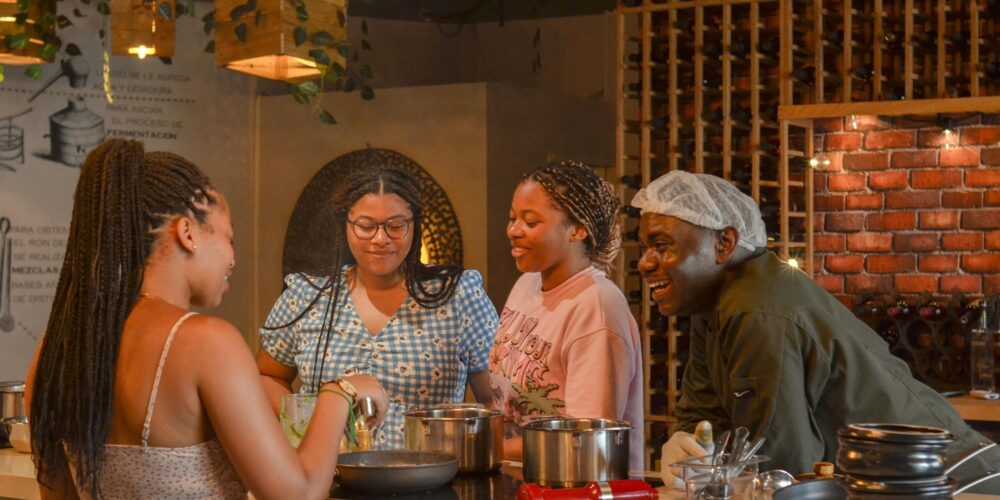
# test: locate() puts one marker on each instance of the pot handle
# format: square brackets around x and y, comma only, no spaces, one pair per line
[962,487]
[956,461]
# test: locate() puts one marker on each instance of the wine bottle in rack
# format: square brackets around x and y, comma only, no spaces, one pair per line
[899,311]
[864,73]
[739,46]
[714,116]
[924,42]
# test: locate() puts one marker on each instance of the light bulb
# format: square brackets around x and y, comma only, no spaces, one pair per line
[793,262]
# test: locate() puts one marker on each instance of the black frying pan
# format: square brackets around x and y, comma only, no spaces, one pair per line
[395,471]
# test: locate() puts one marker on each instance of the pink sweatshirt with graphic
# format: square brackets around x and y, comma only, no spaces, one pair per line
[572,350]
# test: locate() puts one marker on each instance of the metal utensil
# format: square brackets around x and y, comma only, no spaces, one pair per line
[720,448]
[752,448]
[739,441]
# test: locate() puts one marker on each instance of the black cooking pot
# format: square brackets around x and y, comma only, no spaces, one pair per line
[893,450]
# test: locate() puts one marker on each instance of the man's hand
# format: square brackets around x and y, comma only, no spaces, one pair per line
[680,447]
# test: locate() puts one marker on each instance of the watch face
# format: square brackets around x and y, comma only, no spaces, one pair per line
[348,388]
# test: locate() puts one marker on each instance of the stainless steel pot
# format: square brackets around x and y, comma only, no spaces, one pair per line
[570,452]
[474,435]
[11,405]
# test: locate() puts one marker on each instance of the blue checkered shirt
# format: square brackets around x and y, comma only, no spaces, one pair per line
[421,356]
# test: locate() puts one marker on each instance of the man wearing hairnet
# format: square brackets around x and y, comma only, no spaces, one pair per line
[770,349]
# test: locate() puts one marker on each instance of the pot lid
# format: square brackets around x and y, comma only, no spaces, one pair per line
[897,433]
[452,413]
[912,488]
[579,425]
[12,386]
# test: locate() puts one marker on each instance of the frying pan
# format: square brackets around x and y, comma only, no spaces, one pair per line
[395,471]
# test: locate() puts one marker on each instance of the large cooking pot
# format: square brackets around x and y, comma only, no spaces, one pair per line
[474,435]
[11,405]
[867,489]
[570,452]
[893,450]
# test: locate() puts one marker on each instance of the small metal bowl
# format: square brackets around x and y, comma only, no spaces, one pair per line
[18,433]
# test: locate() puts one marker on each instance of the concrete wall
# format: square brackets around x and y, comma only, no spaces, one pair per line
[527,128]
[577,54]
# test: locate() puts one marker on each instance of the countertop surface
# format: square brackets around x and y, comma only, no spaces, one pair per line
[17,480]
[980,410]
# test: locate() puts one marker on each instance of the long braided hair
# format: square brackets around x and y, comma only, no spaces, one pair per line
[588,200]
[429,286]
[123,198]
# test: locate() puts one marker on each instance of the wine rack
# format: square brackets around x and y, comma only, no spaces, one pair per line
[931,334]
[698,91]
[842,51]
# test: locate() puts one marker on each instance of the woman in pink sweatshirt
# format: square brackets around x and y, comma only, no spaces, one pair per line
[567,342]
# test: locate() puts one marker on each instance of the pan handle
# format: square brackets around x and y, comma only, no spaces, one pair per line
[956,461]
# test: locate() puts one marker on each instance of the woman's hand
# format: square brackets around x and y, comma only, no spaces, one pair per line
[368,386]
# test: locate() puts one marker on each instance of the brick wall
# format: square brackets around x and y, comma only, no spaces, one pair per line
[903,208]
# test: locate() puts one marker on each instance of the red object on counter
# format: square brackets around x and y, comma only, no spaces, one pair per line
[616,489]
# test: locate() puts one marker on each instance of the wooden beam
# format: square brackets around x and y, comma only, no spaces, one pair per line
[989,104]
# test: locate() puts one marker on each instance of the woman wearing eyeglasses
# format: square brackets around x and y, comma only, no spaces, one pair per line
[422,331]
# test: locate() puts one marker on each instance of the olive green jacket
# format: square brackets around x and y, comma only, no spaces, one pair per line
[784,358]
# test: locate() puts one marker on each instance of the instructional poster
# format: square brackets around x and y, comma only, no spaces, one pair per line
[47,127]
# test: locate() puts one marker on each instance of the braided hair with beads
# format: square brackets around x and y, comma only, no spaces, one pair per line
[429,286]
[123,199]
[588,200]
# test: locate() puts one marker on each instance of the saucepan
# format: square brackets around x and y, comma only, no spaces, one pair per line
[394,471]
[570,452]
[473,434]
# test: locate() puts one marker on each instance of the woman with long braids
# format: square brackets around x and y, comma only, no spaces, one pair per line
[132,395]
[567,341]
[423,331]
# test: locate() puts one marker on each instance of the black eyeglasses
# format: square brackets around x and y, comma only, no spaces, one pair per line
[366,229]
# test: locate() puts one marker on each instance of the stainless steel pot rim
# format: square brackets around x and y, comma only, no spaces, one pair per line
[12,386]
[610,425]
[412,459]
[462,414]
[896,433]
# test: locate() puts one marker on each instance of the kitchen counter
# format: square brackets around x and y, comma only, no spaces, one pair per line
[974,409]
[17,475]
[17,480]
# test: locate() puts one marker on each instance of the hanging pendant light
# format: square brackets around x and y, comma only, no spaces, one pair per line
[20,42]
[142,28]
[272,38]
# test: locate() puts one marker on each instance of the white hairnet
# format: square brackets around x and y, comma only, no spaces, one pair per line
[704,200]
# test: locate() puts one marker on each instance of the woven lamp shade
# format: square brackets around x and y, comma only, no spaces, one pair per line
[137,29]
[31,53]
[269,49]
